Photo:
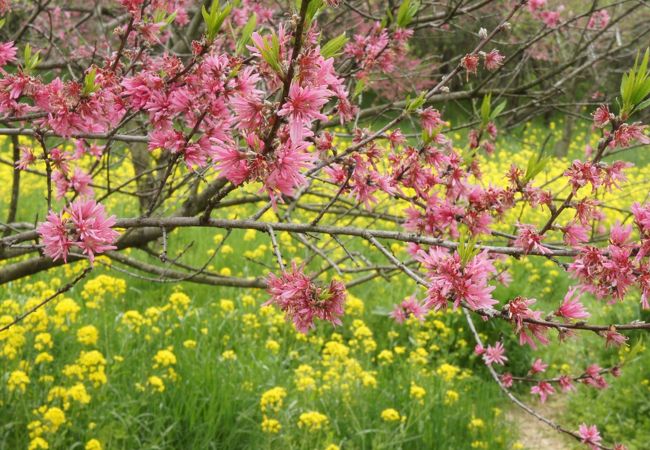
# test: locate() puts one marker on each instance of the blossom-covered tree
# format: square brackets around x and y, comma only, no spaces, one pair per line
[212,105]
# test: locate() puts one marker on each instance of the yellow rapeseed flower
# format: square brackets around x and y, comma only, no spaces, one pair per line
[451,397]
[17,380]
[164,358]
[87,335]
[229,355]
[272,345]
[272,399]
[93,444]
[390,415]
[156,383]
[271,426]
[417,392]
[312,421]
[476,424]
[226,305]
[38,443]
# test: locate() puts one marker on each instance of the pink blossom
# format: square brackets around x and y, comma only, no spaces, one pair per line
[232,163]
[575,234]
[451,281]
[538,366]
[551,18]
[582,173]
[92,228]
[7,53]
[506,380]
[479,349]
[431,119]
[27,158]
[470,63]
[530,240]
[571,308]
[534,5]
[303,300]
[642,216]
[84,225]
[519,310]
[626,134]
[55,237]
[602,116]
[566,383]
[493,60]
[598,20]
[303,105]
[80,183]
[286,170]
[590,435]
[495,354]
[248,111]
[613,338]
[409,307]
[543,389]
[59,159]
[619,234]
[614,174]
[594,378]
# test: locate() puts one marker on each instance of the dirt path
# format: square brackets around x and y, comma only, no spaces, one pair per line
[536,435]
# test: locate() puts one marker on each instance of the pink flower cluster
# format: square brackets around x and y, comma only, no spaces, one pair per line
[530,240]
[581,174]
[611,271]
[303,300]
[410,307]
[82,224]
[541,11]
[452,281]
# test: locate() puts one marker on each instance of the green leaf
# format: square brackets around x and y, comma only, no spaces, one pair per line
[635,85]
[498,110]
[215,18]
[312,10]
[535,165]
[417,102]
[270,51]
[406,12]
[246,33]
[486,107]
[89,83]
[333,46]
[31,61]
[467,248]
[359,87]
[643,105]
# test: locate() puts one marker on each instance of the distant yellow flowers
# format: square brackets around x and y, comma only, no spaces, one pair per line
[18,380]
[312,421]
[417,392]
[271,426]
[87,335]
[390,415]
[451,397]
[272,399]
[93,444]
[164,358]
[229,355]
[156,383]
